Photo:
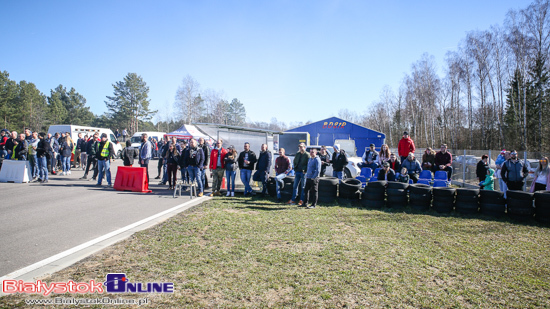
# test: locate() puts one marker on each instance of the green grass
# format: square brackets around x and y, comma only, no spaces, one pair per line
[236,252]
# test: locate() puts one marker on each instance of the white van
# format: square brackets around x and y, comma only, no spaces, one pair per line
[74,130]
[136,138]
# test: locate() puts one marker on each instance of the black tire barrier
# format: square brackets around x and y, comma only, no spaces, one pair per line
[372,196]
[421,198]
[421,207]
[397,202]
[519,195]
[467,192]
[396,192]
[542,206]
[349,188]
[328,181]
[493,210]
[491,197]
[466,208]
[397,185]
[420,189]
[349,199]
[288,179]
[520,209]
[376,204]
[442,206]
[377,184]
[326,199]
[271,187]
[444,191]
[467,199]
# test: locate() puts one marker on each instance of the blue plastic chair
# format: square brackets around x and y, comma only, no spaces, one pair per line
[424,181]
[376,172]
[366,172]
[439,183]
[425,174]
[440,175]
[411,181]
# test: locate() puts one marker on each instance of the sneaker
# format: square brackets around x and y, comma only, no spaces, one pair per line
[300,203]
[45,181]
[98,185]
[200,194]
[291,202]
[310,207]
[110,185]
[228,193]
[232,193]
[84,177]
[93,179]
[69,172]
[158,177]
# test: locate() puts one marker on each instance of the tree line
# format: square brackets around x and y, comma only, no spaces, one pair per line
[494,93]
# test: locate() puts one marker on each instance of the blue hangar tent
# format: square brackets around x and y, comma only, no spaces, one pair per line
[325,132]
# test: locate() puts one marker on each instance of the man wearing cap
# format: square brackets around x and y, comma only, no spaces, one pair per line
[386,173]
[339,161]
[370,157]
[514,172]
[406,145]
[104,153]
[145,153]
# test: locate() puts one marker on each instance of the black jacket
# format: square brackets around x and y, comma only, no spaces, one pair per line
[264,161]
[43,148]
[100,148]
[382,175]
[481,170]
[192,157]
[129,154]
[513,171]
[339,161]
[251,158]
[21,149]
[206,153]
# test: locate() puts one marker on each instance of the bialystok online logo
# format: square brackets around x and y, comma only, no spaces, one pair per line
[114,283]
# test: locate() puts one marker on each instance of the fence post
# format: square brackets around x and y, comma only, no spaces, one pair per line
[464,169]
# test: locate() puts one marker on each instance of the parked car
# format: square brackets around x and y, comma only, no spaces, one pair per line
[532,165]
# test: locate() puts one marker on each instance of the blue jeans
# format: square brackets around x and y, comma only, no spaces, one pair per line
[279,178]
[66,162]
[43,168]
[195,175]
[33,159]
[230,176]
[104,166]
[165,175]
[299,179]
[245,178]
[338,175]
[4,154]
[373,165]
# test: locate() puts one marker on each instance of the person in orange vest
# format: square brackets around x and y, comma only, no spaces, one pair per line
[405,146]
[217,166]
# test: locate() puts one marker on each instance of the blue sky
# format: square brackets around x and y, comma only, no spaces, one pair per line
[293,60]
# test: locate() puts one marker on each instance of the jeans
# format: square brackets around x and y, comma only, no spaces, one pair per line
[165,170]
[146,165]
[33,160]
[245,178]
[104,166]
[195,175]
[91,162]
[54,161]
[337,174]
[43,168]
[373,165]
[66,163]
[83,160]
[230,176]
[4,154]
[299,179]
[278,180]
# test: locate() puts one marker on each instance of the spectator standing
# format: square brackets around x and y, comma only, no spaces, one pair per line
[91,150]
[514,172]
[217,167]
[117,134]
[105,152]
[145,153]
[161,164]
[502,157]
[4,136]
[194,161]
[21,149]
[206,152]
[282,168]
[129,154]
[384,155]
[405,146]
[246,161]
[394,162]
[339,162]
[386,173]
[230,161]
[489,182]
[66,151]
[263,167]
[370,158]
[33,159]
[77,153]
[54,144]
[300,168]
[124,135]
[428,160]
[42,150]
[11,143]
[312,180]
[325,160]
[413,167]
[172,159]
[28,134]
[481,168]
[443,161]
[541,182]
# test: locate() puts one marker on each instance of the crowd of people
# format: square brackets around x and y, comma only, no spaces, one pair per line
[49,154]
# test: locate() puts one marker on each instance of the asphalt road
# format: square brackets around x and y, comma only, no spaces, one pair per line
[41,220]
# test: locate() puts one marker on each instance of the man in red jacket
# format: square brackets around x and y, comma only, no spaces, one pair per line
[406,145]
[217,166]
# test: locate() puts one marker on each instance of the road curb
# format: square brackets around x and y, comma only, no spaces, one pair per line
[69,257]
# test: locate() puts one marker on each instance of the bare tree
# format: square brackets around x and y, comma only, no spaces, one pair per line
[186,99]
